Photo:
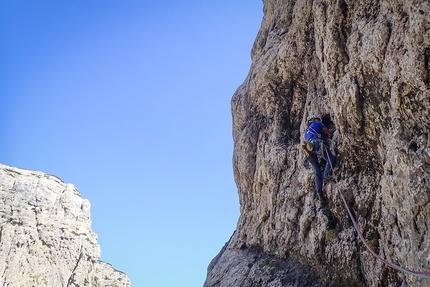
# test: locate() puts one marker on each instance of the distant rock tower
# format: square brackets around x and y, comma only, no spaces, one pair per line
[45,234]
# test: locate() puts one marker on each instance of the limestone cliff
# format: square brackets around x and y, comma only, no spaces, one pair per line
[45,234]
[363,66]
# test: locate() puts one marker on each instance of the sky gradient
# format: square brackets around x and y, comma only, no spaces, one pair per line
[130,102]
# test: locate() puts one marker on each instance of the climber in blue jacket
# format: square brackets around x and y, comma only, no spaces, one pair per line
[313,135]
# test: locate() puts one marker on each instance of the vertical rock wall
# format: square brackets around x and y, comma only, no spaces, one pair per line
[364,66]
[45,234]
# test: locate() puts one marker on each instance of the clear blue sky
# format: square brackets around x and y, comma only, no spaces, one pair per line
[130,102]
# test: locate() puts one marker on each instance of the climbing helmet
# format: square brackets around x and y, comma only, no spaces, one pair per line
[312,118]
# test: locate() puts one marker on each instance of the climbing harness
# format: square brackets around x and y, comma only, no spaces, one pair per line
[422,274]
[319,146]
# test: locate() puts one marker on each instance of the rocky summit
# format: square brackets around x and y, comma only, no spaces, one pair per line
[363,66]
[45,234]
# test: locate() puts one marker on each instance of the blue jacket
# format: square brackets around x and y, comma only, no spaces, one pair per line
[314,130]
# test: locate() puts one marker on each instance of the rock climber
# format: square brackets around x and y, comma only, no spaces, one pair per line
[319,150]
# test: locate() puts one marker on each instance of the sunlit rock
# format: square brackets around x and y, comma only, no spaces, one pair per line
[364,67]
[45,234]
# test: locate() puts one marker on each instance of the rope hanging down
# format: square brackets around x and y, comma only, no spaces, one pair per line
[422,274]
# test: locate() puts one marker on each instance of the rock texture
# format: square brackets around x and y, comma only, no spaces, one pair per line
[45,234]
[251,268]
[363,66]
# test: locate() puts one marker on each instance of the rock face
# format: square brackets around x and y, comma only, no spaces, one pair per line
[45,234]
[364,67]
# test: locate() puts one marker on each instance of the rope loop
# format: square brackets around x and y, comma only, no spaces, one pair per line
[422,274]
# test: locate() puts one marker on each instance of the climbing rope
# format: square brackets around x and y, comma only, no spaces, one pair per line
[422,274]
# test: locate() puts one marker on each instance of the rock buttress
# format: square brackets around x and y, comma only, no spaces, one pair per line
[364,66]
